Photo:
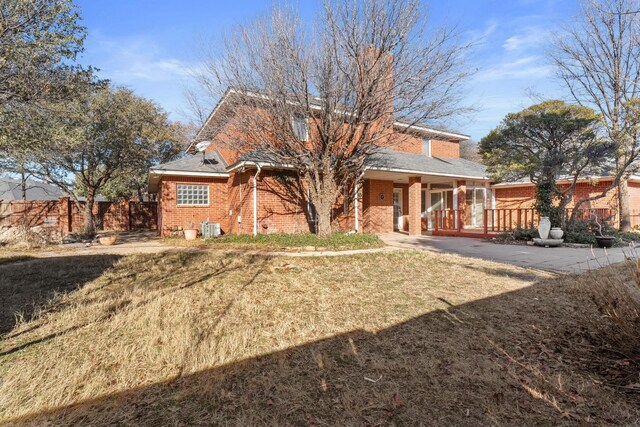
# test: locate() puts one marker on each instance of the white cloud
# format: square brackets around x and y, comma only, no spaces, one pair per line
[529,37]
[136,59]
[528,67]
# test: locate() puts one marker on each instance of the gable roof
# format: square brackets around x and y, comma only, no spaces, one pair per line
[315,102]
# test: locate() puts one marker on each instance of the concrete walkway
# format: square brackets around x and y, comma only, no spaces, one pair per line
[561,259]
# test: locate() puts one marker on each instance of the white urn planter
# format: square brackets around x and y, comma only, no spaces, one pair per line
[544,226]
[556,233]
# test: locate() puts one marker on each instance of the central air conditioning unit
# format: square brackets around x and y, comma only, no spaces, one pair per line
[210,229]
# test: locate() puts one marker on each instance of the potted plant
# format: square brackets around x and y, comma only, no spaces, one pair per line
[108,239]
[190,231]
[602,241]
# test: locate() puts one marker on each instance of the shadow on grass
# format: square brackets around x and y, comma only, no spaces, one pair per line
[513,359]
[26,286]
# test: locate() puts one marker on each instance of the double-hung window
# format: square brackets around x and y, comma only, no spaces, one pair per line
[300,127]
[192,195]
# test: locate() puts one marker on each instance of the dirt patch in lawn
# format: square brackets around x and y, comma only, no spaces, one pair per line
[396,338]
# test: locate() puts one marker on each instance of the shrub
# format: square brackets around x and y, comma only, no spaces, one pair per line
[580,231]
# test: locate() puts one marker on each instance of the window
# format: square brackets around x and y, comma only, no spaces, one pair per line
[192,195]
[300,127]
[426,147]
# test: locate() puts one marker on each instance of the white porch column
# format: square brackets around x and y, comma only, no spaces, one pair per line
[455,200]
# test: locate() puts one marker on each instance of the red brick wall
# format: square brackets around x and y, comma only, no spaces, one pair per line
[523,196]
[378,213]
[447,149]
[174,216]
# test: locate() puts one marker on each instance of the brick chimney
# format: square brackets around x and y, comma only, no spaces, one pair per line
[377,77]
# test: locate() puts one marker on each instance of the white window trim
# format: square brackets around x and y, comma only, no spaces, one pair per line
[183,205]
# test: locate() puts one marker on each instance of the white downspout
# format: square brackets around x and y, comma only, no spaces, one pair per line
[355,198]
[255,200]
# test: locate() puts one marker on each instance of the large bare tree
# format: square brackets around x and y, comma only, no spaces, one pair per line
[322,98]
[598,58]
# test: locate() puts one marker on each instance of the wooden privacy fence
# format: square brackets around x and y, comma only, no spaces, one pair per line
[122,215]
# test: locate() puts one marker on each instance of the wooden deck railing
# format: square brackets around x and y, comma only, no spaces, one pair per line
[447,219]
[504,220]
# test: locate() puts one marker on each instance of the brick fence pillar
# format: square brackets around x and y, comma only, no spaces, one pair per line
[415,205]
[64,216]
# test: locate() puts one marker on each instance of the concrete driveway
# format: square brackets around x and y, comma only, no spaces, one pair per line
[561,259]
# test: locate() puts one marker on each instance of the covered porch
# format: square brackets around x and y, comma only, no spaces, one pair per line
[436,204]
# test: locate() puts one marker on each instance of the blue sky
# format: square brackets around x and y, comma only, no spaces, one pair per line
[149,46]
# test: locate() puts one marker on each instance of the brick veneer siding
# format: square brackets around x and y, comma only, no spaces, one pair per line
[447,149]
[377,213]
[174,216]
[524,196]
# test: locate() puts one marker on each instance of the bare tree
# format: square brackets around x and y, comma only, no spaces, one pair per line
[599,61]
[322,100]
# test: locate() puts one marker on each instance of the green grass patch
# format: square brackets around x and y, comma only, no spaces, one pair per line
[287,242]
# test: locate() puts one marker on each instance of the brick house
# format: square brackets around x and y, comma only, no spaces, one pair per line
[419,185]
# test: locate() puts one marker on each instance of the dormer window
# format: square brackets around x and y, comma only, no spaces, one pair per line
[300,127]
[426,147]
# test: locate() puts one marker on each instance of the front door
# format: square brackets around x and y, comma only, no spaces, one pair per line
[397,209]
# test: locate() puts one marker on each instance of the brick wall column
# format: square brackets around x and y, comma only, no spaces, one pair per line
[63,215]
[415,202]
[461,189]
[125,221]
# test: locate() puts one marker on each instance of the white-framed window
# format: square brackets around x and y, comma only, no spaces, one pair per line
[300,127]
[426,147]
[192,195]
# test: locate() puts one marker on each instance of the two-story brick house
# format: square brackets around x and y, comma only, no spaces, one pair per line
[401,188]
[419,184]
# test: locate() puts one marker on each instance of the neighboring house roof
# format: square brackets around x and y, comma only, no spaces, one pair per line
[11,189]
[392,160]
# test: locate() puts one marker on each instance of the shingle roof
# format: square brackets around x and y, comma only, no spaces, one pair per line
[400,161]
[396,160]
[211,162]
[11,189]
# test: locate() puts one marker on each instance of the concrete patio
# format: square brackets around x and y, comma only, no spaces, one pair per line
[561,259]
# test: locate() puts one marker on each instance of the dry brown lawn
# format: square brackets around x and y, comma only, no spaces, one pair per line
[401,338]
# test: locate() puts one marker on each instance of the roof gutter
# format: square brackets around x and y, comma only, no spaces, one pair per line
[413,172]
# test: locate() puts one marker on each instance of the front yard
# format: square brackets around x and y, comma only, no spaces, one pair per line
[388,338]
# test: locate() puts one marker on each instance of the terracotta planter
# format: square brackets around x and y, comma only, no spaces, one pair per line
[190,234]
[108,240]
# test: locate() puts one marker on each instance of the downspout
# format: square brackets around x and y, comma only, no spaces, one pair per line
[255,200]
[355,198]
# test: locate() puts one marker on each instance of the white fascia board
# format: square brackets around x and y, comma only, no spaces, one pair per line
[259,164]
[412,172]
[188,173]
[427,130]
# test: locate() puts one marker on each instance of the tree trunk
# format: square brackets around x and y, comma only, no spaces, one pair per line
[624,206]
[89,226]
[23,183]
[323,212]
